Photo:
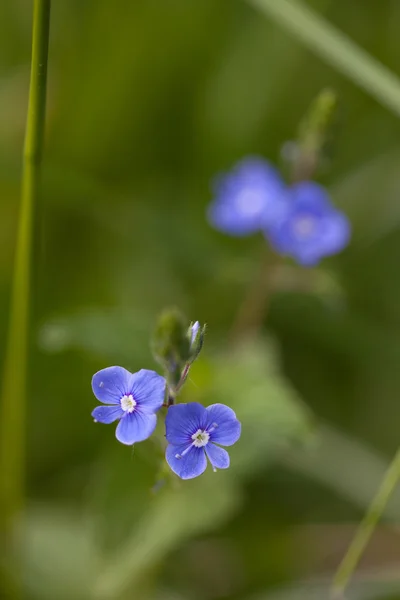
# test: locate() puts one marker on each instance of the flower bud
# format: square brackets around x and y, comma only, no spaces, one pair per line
[171,345]
[196,335]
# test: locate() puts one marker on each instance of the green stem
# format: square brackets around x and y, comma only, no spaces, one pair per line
[13,407]
[366,528]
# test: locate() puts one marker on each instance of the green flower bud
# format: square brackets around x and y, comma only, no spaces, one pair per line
[171,345]
[314,133]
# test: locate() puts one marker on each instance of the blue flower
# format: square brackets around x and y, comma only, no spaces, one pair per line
[132,398]
[311,228]
[247,199]
[193,432]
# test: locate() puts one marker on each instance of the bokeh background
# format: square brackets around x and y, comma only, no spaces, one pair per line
[147,101]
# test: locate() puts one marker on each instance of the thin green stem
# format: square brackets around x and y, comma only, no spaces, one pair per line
[366,528]
[13,406]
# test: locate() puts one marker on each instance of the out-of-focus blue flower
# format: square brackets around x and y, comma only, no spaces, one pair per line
[247,198]
[132,398]
[311,228]
[193,432]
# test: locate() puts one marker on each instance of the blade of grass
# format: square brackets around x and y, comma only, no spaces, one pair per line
[336,48]
[13,406]
[366,528]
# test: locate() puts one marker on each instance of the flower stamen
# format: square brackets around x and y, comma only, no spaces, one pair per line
[200,438]
[213,428]
[184,452]
[128,403]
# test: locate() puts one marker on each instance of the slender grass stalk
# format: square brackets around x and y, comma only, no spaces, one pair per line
[336,48]
[366,528]
[13,406]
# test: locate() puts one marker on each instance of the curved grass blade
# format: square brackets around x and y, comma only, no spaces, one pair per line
[336,48]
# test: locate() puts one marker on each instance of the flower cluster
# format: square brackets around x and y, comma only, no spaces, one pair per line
[298,220]
[192,431]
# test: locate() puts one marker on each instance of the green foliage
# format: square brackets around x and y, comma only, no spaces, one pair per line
[336,48]
[112,335]
[272,415]
[148,101]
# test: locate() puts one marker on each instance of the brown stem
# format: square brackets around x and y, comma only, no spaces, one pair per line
[255,305]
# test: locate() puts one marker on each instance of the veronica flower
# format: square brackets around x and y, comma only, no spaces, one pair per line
[246,199]
[311,228]
[193,433]
[133,399]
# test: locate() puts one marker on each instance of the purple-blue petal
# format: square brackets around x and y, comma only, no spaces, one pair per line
[219,458]
[183,420]
[135,427]
[107,414]
[310,195]
[110,384]
[148,390]
[227,428]
[191,465]
[337,233]
[312,227]
[246,199]
[306,256]
[331,235]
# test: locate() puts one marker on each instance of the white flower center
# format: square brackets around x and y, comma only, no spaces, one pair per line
[250,202]
[304,227]
[200,438]
[128,403]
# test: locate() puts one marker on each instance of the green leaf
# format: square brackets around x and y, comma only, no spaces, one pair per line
[369,195]
[346,466]
[174,515]
[272,415]
[117,334]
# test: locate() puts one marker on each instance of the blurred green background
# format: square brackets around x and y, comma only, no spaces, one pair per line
[147,101]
